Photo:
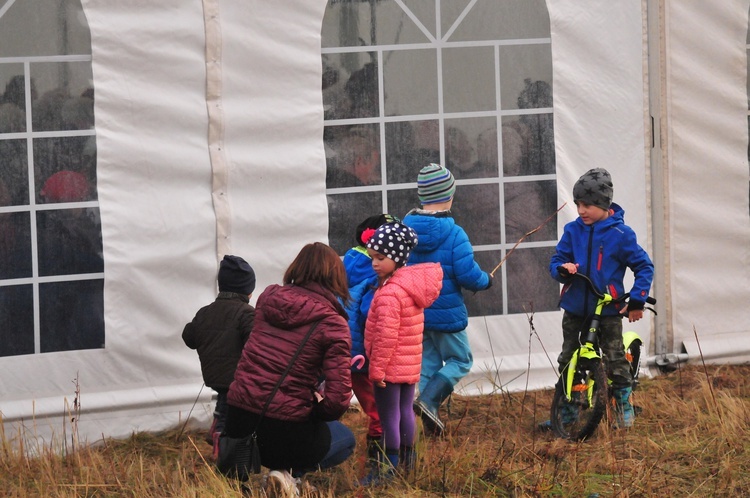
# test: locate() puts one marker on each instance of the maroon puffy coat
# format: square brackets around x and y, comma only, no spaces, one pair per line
[284,315]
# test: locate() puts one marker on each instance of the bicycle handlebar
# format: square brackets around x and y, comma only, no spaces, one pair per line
[565,273]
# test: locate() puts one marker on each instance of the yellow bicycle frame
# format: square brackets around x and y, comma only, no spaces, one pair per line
[586,351]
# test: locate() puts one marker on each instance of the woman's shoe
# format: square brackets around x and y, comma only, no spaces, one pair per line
[280,484]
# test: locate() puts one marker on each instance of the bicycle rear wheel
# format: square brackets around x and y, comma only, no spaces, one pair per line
[578,418]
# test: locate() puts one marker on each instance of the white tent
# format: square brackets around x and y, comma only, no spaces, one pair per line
[208,124]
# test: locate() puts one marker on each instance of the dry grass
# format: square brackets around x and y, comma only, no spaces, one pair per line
[690,440]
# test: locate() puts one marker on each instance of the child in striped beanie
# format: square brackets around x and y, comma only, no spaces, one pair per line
[446,356]
[435,184]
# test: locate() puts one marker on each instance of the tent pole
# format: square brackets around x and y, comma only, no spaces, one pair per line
[663,335]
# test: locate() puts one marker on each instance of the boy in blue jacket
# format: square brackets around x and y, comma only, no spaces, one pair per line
[599,244]
[446,355]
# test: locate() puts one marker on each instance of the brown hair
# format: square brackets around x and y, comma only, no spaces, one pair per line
[318,262]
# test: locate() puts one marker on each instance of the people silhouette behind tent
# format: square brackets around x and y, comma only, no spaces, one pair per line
[69,243]
[13,155]
[57,110]
[15,240]
[356,161]
[409,146]
[535,130]
[219,331]
[363,99]
[69,239]
[15,91]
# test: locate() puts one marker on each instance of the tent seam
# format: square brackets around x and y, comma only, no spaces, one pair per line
[219,166]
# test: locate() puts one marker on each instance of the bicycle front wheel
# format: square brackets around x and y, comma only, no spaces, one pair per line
[578,418]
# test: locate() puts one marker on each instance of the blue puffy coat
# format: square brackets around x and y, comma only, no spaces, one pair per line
[442,241]
[603,251]
[362,282]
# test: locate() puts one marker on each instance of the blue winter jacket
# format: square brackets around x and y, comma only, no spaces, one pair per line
[442,241]
[603,251]
[362,281]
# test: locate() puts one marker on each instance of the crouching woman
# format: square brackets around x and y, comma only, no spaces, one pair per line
[299,430]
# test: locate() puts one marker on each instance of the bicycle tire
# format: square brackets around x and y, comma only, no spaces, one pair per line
[578,419]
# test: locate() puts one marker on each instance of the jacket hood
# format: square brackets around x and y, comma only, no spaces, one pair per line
[433,228]
[286,307]
[422,282]
[616,217]
[358,266]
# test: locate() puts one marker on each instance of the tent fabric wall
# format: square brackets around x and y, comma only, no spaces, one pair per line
[158,231]
[159,219]
[708,173]
[155,193]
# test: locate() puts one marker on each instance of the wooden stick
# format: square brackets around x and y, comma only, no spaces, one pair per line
[492,273]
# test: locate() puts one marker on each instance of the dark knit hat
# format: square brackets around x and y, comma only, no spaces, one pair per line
[594,188]
[367,228]
[435,184]
[236,275]
[394,241]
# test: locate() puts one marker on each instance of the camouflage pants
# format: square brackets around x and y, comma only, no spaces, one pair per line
[610,340]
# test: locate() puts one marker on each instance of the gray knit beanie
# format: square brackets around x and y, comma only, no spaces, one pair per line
[594,188]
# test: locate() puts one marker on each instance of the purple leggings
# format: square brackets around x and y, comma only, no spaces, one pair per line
[397,418]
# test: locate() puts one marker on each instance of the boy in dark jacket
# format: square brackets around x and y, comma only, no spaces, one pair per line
[599,244]
[446,355]
[219,332]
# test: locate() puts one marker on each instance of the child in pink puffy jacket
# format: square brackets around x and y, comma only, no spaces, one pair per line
[393,339]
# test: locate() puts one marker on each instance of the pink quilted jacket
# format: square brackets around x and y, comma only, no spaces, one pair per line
[393,332]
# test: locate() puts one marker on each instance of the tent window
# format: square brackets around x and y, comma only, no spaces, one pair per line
[51,266]
[466,84]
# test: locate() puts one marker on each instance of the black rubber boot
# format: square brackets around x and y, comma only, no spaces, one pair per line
[407,456]
[384,472]
[427,405]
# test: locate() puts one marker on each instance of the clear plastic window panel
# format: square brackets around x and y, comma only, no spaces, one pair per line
[51,264]
[467,84]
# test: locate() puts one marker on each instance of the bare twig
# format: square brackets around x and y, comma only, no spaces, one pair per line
[187,419]
[549,218]
[530,318]
[198,452]
[496,376]
[76,415]
[708,379]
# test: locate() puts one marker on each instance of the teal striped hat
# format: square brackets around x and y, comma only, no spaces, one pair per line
[435,184]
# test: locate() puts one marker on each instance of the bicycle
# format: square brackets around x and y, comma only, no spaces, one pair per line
[582,390]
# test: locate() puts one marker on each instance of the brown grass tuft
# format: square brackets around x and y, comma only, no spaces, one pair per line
[690,440]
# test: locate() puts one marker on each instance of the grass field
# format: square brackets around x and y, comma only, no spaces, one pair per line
[691,439]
